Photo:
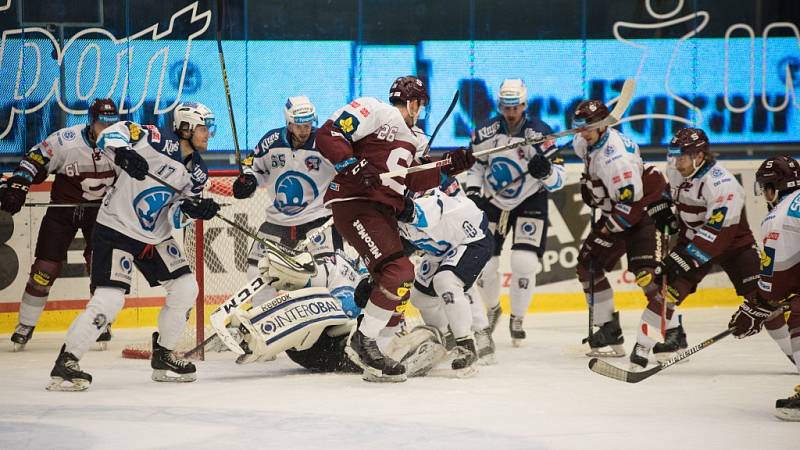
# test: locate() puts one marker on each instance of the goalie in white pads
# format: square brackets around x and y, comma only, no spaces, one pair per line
[134,228]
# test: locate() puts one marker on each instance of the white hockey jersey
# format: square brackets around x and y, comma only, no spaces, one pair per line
[780,260]
[147,210]
[496,173]
[82,173]
[619,181]
[710,209]
[443,222]
[295,179]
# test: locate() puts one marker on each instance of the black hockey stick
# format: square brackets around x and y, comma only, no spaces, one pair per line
[611,371]
[237,154]
[441,122]
[62,205]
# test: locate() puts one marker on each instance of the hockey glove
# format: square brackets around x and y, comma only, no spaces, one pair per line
[595,245]
[679,263]
[586,191]
[749,318]
[460,161]
[474,194]
[539,166]
[131,162]
[12,197]
[360,171]
[244,186]
[200,208]
[662,215]
[408,214]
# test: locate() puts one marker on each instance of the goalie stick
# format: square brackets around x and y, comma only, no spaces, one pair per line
[611,371]
[624,100]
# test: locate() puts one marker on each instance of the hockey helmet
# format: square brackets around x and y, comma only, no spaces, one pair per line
[299,110]
[189,115]
[408,88]
[588,112]
[688,141]
[512,93]
[782,173]
[104,110]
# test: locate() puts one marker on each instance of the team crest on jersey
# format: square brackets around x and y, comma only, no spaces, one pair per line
[502,172]
[69,135]
[148,205]
[347,124]
[767,261]
[36,156]
[717,218]
[716,172]
[313,163]
[290,192]
[626,193]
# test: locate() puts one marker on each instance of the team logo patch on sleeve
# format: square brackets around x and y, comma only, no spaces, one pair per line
[767,261]
[347,124]
[136,132]
[626,193]
[718,218]
[313,162]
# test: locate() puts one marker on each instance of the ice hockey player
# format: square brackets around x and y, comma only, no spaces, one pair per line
[134,229]
[712,229]
[453,235]
[511,187]
[296,177]
[364,139]
[81,178]
[778,284]
[616,181]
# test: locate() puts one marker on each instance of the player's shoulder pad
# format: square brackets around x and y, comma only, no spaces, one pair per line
[272,139]
[69,136]
[349,118]
[487,130]
[162,140]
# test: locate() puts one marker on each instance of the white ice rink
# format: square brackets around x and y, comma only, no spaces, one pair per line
[539,396]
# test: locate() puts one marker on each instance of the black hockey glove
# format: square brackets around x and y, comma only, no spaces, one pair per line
[662,215]
[244,186]
[13,194]
[595,245]
[460,161]
[408,214]
[199,208]
[749,318]
[539,166]
[474,194]
[679,263]
[363,173]
[131,162]
[586,191]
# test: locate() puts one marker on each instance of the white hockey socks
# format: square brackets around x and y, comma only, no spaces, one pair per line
[490,283]
[30,309]
[479,319]
[375,320]
[450,289]
[431,310]
[649,330]
[181,295]
[523,280]
[781,337]
[603,306]
[266,293]
[101,310]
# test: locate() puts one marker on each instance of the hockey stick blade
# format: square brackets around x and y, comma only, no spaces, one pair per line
[611,371]
[623,101]
[441,122]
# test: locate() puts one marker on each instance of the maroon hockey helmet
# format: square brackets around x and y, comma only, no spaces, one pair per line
[589,111]
[688,141]
[408,88]
[104,110]
[782,173]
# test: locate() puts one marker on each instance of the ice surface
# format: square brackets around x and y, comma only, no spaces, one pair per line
[538,396]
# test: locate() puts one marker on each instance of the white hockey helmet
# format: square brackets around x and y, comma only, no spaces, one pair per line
[512,93]
[299,109]
[189,115]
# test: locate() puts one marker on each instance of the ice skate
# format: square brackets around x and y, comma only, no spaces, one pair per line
[789,408]
[607,341]
[168,367]
[377,367]
[22,334]
[67,375]
[674,342]
[485,346]
[104,338]
[494,316]
[517,333]
[639,356]
[466,357]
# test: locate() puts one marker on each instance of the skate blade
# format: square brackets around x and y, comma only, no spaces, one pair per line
[102,345]
[610,351]
[466,372]
[789,415]
[517,342]
[17,347]
[488,360]
[166,376]
[376,376]
[423,359]
[57,384]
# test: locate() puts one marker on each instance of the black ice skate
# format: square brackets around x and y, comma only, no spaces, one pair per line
[104,338]
[674,341]
[485,345]
[789,408]
[494,316]
[168,367]
[607,340]
[22,334]
[517,333]
[377,367]
[639,356]
[67,374]
[466,357]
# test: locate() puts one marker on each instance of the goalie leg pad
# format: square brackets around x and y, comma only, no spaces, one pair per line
[419,350]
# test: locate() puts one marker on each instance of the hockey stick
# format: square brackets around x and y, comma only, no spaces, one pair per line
[624,100]
[237,154]
[62,205]
[611,371]
[441,122]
